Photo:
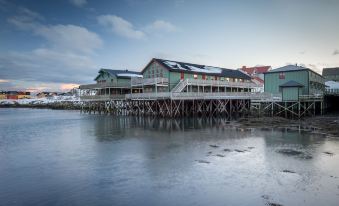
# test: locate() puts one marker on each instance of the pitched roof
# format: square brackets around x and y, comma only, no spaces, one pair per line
[121,73]
[288,68]
[256,70]
[258,79]
[202,69]
[291,84]
[331,71]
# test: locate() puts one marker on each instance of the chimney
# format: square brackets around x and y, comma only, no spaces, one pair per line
[243,67]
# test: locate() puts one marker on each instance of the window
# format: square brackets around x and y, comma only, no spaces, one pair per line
[195,76]
[282,75]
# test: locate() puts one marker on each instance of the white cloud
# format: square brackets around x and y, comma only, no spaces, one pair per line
[336,52]
[25,19]
[70,38]
[120,26]
[46,65]
[68,56]
[160,25]
[78,3]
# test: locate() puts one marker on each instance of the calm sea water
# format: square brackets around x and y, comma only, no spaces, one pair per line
[52,157]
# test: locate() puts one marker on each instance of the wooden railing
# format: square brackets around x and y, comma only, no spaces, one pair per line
[105,85]
[149,81]
[102,97]
[332,91]
[159,95]
[311,97]
[199,95]
[202,82]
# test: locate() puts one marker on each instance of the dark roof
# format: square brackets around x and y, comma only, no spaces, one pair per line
[200,69]
[288,68]
[291,84]
[331,71]
[121,73]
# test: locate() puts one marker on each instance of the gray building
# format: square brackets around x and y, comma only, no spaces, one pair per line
[331,74]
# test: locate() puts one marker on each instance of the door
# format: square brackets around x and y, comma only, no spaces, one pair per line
[182,75]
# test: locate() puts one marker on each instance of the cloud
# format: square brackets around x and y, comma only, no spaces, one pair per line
[78,3]
[67,87]
[70,38]
[120,26]
[4,81]
[45,65]
[335,52]
[67,58]
[25,19]
[160,25]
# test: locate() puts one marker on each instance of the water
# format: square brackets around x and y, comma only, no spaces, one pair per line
[66,158]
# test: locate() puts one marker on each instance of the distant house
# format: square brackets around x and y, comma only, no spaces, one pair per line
[291,81]
[46,94]
[12,95]
[24,95]
[257,75]
[3,95]
[331,74]
[161,75]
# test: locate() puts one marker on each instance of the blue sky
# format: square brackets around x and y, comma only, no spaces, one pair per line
[55,45]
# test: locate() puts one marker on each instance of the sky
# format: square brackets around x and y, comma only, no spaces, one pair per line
[48,45]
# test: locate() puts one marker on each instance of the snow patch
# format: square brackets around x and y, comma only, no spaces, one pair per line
[128,75]
[40,101]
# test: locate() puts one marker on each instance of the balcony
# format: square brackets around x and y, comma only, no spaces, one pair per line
[102,97]
[149,81]
[105,85]
[219,83]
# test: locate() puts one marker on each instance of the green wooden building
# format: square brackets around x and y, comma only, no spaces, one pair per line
[110,83]
[291,81]
[161,75]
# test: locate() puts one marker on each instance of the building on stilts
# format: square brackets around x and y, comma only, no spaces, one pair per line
[174,89]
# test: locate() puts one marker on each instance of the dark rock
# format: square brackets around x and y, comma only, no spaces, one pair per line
[238,150]
[266,197]
[227,150]
[329,153]
[219,155]
[203,161]
[290,152]
[250,147]
[214,146]
[273,204]
[288,171]
[306,157]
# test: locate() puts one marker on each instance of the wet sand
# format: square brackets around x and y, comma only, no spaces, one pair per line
[327,124]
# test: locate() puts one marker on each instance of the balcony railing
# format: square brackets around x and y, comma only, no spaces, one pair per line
[332,91]
[159,95]
[105,85]
[102,97]
[202,82]
[200,95]
[149,81]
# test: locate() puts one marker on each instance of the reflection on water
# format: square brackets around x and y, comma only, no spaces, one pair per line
[66,158]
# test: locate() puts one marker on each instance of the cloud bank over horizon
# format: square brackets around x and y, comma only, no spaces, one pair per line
[55,49]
